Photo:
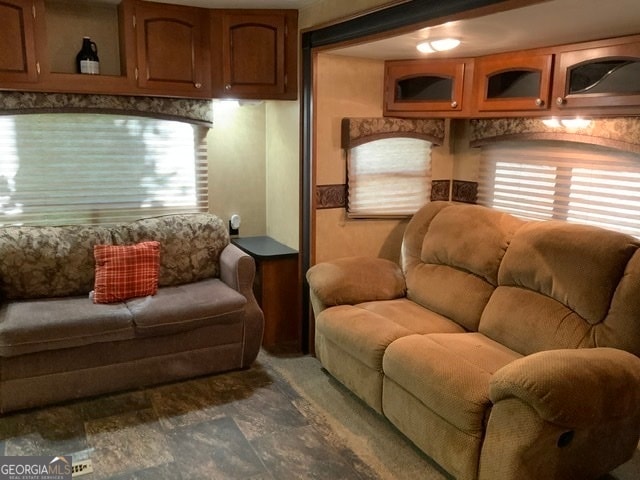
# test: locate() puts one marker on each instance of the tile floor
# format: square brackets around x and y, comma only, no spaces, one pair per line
[248,424]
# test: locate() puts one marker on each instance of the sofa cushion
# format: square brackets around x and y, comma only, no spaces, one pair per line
[456,255]
[184,307]
[191,245]
[412,316]
[50,324]
[557,282]
[126,271]
[38,262]
[363,334]
[449,374]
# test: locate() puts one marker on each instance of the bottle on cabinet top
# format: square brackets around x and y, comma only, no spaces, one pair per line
[87,59]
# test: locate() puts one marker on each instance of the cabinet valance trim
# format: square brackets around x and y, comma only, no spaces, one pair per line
[356,131]
[180,109]
[622,133]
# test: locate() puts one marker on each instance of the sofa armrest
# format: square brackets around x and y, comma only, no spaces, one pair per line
[352,280]
[573,388]
[238,270]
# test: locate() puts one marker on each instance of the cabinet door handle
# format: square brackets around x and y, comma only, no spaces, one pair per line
[560,101]
[227,86]
[38,67]
[539,102]
[197,85]
[454,104]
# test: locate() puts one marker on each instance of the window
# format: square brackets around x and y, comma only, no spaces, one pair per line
[561,180]
[389,177]
[86,168]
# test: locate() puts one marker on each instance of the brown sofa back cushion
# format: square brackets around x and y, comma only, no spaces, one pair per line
[451,257]
[37,262]
[190,245]
[556,284]
[40,262]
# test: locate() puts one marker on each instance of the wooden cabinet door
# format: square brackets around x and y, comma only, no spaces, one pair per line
[258,54]
[518,81]
[598,77]
[172,49]
[424,86]
[18,62]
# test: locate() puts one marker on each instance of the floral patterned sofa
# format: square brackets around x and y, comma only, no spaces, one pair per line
[57,344]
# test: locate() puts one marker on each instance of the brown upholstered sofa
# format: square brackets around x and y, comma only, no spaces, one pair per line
[56,344]
[504,349]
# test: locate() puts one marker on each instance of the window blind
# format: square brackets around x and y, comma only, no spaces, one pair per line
[562,180]
[389,177]
[86,168]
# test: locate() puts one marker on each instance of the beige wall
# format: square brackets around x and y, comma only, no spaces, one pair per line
[237,166]
[350,87]
[283,172]
[346,87]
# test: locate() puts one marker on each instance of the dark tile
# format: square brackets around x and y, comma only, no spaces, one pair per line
[215,450]
[266,411]
[127,443]
[303,453]
[187,403]
[110,405]
[170,471]
[240,384]
[50,431]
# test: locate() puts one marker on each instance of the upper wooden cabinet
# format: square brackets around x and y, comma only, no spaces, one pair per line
[424,86]
[18,61]
[592,78]
[603,77]
[149,48]
[255,54]
[513,82]
[172,47]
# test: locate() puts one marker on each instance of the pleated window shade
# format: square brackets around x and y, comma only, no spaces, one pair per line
[389,177]
[561,180]
[85,168]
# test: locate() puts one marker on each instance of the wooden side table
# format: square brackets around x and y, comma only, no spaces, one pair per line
[277,290]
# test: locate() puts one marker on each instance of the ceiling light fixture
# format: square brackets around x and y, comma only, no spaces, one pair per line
[438,45]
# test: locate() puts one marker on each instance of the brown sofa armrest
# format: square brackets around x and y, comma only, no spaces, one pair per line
[237,269]
[352,280]
[573,388]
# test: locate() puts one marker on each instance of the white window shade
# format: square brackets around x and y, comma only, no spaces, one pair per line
[86,168]
[389,177]
[561,180]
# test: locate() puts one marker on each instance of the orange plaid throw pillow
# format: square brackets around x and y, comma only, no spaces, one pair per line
[126,271]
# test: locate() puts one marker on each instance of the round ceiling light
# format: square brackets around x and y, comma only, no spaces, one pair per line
[438,45]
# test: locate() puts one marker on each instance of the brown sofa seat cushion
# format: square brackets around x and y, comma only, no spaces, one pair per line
[365,330]
[50,324]
[184,307]
[449,373]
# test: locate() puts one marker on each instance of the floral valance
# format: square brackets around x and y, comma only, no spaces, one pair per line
[356,131]
[182,109]
[622,133]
